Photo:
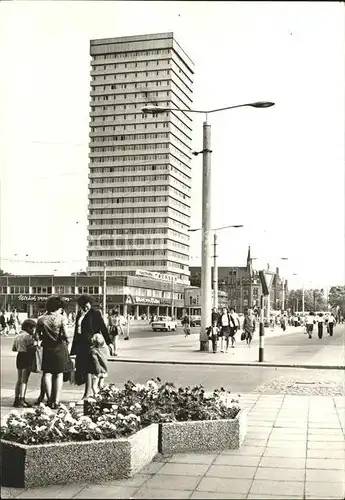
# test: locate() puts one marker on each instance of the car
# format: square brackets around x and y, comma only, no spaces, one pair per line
[164,324]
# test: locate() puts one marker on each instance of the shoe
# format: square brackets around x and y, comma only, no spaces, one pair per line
[221,350]
[226,352]
[16,403]
[233,346]
[38,401]
[26,404]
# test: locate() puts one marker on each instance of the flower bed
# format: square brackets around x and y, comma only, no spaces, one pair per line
[43,447]
[189,420]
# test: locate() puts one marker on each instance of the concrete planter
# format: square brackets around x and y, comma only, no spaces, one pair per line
[61,463]
[204,435]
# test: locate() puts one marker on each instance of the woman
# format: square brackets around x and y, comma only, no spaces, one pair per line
[225,322]
[88,322]
[52,330]
[114,328]
[249,326]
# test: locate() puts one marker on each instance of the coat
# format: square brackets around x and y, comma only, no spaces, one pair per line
[91,324]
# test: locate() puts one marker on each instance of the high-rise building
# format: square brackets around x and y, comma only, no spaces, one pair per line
[139,170]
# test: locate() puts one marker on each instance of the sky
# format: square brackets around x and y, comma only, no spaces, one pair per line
[278,171]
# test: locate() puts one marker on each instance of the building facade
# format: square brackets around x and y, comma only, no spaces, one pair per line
[139,170]
[135,295]
[243,287]
[192,300]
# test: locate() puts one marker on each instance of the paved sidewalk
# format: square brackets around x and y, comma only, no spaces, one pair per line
[294,448]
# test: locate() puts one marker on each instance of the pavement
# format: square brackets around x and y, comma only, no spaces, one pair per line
[282,349]
[294,449]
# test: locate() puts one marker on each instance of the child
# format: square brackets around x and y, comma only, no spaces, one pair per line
[213,333]
[98,368]
[24,345]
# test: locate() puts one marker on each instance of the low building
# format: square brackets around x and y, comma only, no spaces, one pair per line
[146,293]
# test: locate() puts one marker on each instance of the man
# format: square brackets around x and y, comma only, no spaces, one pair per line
[249,326]
[225,322]
[310,321]
[331,321]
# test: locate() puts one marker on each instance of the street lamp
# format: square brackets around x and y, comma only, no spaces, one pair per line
[215,264]
[206,208]
[296,274]
[283,280]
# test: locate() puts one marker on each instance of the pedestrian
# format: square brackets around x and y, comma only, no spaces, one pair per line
[52,331]
[234,326]
[186,325]
[310,322]
[283,323]
[213,334]
[114,328]
[98,362]
[24,344]
[88,322]
[249,325]
[320,322]
[215,315]
[3,324]
[331,322]
[224,323]
[13,321]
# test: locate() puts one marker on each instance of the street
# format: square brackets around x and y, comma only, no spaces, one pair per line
[296,346]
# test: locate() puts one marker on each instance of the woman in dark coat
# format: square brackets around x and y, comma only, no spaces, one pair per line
[88,322]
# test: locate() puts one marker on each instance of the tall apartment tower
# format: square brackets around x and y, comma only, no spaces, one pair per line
[139,170]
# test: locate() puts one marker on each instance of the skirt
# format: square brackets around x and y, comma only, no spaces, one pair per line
[24,360]
[54,359]
[225,332]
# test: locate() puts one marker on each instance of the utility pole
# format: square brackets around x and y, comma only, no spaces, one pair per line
[303,299]
[104,290]
[215,271]
[172,296]
[261,330]
[206,291]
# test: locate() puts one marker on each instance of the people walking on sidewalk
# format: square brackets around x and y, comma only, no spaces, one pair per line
[234,326]
[331,322]
[3,324]
[13,321]
[186,325]
[213,335]
[114,329]
[224,323]
[310,322]
[88,322]
[283,322]
[320,322]
[249,326]
[24,344]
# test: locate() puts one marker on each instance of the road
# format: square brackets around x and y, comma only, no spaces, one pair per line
[235,378]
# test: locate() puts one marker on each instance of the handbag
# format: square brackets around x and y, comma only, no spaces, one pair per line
[36,360]
[243,336]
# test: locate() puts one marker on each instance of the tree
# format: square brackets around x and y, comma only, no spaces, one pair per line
[4,273]
[314,300]
[336,299]
[79,273]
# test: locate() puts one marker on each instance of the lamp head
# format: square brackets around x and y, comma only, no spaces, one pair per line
[262,104]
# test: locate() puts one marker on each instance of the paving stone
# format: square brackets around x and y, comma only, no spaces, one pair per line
[193,458]
[223,485]
[268,473]
[245,460]
[283,463]
[331,445]
[173,482]
[137,480]
[207,494]
[326,437]
[283,436]
[285,452]
[329,453]
[325,490]
[53,491]
[184,469]
[259,424]
[326,463]
[97,491]
[145,492]
[325,475]
[295,445]
[300,431]
[246,450]
[231,471]
[252,496]
[255,442]
[272,487]
[152,468]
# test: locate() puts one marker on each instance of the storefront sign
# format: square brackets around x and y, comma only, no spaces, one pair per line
[157,276]
[146,300]
[39,298]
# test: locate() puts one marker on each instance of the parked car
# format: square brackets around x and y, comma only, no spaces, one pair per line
[195,320]
[164,323]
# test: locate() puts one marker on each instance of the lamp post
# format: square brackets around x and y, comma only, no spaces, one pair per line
[215,262]
[296,274]
[206,207]
[283,280]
